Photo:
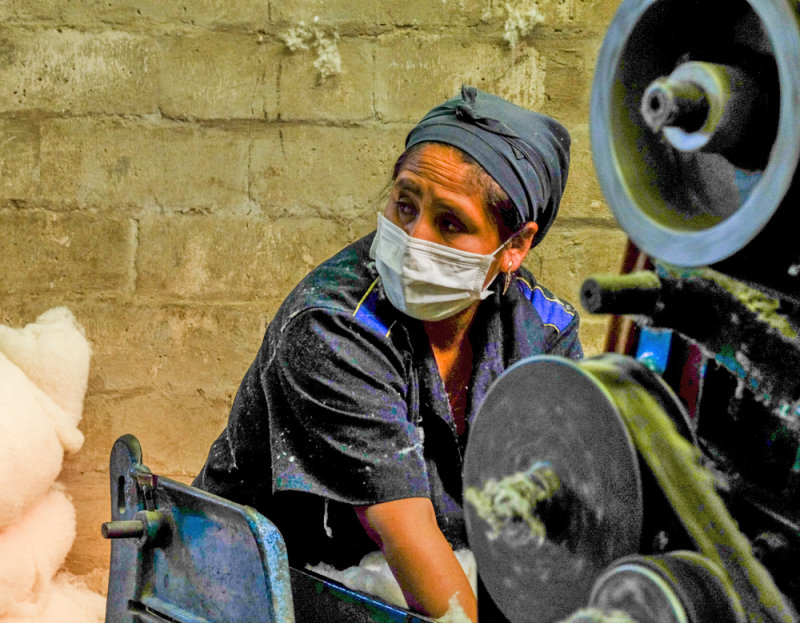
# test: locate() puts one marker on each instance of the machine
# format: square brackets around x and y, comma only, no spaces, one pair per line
[182,555]
[658,483]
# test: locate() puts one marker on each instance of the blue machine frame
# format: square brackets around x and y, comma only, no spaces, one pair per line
[182,555]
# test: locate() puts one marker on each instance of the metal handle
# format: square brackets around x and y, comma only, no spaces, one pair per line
[150,528]
[123,529]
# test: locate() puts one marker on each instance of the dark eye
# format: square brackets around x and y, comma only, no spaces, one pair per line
[451,225]
[404,209]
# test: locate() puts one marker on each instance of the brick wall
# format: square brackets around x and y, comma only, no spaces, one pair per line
[169,170]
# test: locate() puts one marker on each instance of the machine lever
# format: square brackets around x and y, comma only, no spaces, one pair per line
[122,529]
[150,528]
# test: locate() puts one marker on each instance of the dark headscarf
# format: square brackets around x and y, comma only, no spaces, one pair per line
[525,152]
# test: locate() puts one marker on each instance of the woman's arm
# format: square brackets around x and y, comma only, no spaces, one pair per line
[418,554]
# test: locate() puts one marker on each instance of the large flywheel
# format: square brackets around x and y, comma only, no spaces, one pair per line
[552,486]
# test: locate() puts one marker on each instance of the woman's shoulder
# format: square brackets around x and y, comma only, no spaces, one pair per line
[552,309]
[346,285]
[336,281]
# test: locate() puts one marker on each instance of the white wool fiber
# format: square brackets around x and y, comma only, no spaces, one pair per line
[373,576]
[328,62]
[68,600]
[297,38]
[30,450]
[53,353]
[521,21]
[44,371]
[521,17]
[31,552]
[455,613]
[470,566]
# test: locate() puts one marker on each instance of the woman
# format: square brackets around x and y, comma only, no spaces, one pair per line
[349,427]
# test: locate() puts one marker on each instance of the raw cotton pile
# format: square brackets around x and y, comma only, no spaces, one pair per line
[373,576]
[44,371]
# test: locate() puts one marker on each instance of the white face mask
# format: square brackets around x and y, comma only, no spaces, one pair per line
[425,280]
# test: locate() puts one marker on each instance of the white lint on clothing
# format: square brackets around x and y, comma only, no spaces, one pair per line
[44,371]
[409,449]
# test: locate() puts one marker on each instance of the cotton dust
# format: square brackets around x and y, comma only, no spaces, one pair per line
[374,577]
[44,370]
[325,45]
[502,503]
[520,19]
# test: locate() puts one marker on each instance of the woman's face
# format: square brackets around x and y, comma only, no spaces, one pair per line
[434,198]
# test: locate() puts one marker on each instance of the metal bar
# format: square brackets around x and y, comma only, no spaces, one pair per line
[317,598]
[159,611]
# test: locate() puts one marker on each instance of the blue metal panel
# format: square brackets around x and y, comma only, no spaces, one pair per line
[653,348]
[182,555]
[197,557]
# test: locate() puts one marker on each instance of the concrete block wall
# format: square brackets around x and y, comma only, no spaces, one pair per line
[169,170]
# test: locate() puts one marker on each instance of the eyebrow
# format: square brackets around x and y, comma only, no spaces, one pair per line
[407,184]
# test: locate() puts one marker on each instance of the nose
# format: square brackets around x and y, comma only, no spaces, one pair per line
[422,228]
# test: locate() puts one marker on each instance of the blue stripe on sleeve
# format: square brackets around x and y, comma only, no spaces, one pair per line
[552,311]
[365,312]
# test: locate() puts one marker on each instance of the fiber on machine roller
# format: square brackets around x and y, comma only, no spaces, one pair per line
[680,586]
[690,490]
[502,503]
[744,328]
[695,126]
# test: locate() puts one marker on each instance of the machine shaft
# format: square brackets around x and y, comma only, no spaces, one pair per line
[123,529]
[668,102]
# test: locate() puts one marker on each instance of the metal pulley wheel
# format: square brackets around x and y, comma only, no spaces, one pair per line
[550,430]
[678,587]
[695,130]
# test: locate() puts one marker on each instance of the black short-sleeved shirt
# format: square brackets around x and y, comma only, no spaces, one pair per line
[344,406]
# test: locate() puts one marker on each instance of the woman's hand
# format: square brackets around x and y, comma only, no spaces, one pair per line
[420,557]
